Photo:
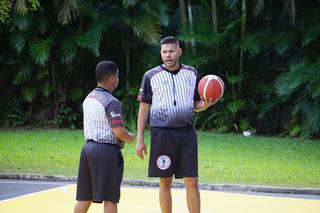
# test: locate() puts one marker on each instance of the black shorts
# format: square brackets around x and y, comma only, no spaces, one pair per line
[173,152]
[100,173]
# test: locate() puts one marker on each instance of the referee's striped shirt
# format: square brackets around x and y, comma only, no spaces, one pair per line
[101,112]
[171,95]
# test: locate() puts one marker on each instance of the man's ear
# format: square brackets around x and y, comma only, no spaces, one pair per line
[180,51]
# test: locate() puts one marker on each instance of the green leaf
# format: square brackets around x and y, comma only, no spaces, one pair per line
[68,11]
[22,21]
[234,79]
[92,37]
[156,9]
[5,8]
[24,73]
[68,48]
[129,3]
[18,41]
[46,89]
[43,23]
[146,29]
[236,106]
[40,50]
[29,93]
[284,42]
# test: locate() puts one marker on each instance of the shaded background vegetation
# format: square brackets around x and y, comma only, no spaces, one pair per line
[267,52]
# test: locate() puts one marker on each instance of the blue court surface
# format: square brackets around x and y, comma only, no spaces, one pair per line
[34,197]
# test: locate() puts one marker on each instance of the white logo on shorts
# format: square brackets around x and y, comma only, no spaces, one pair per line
[163,162]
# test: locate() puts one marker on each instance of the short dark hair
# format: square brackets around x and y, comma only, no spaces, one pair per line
[169,40]
[105,69]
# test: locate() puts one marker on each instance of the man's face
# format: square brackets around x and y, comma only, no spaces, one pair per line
[116,80]
[170,54]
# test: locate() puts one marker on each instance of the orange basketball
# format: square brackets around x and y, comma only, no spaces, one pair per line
[211,87]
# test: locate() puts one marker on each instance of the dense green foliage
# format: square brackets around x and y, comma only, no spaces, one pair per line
[267,53]
[223,158]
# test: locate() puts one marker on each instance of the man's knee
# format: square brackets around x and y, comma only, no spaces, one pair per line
[191,182]
[165,183]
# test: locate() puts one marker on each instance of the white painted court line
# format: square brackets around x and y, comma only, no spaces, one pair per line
[33,193]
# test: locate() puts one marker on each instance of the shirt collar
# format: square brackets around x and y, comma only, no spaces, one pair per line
[174,72]
[102,89]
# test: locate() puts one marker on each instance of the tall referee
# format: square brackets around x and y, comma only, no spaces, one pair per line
[169,96]
[101,162]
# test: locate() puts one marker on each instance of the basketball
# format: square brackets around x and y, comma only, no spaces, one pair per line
[211,87]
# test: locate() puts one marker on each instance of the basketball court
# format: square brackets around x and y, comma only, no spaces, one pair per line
[145,200]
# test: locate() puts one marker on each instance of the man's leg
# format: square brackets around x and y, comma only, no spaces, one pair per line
[82,206]
[110,207]
[193,195]
[165,195]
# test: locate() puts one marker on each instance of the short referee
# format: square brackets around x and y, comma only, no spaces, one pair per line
[101,162]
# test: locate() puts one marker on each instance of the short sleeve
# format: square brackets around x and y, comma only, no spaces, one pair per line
[114,113]
[196,92]
[145,92]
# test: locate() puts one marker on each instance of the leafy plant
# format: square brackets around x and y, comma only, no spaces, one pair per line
[66,118]
[18,118]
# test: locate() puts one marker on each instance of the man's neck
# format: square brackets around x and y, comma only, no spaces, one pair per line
[176,68]
[104,87]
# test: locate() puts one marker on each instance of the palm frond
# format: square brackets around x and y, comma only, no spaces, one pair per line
[5,8]
[286,83]
[311,34]
[310,110]
[146,28]
[92,37]
[129,3]
[250,44]
[236,106]
[68,49]
[157,9]
[42,23]
[258,7]
[18,41]
[304,73]
[284,41]
[40,50]
[22,21]
[29,93]
[24,72]
[21,6]
[67,11]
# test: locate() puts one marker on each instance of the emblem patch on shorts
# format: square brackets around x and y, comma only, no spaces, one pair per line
[163,162]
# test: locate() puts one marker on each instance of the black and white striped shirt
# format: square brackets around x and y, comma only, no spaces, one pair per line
[171,95]
[101,112]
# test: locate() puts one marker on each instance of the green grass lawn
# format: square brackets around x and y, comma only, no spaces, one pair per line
[223,158]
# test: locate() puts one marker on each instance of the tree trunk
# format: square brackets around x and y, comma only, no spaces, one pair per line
[55,88]
[242,35]
[184,20]
[126,50]
[193,45]
[214,16]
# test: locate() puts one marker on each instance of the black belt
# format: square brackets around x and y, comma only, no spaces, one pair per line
[111,144]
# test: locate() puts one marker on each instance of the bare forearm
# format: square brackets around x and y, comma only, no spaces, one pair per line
[142,119]
[122,134]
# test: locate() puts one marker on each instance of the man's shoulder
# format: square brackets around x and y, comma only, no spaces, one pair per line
[189,68]
[155,70]
[103,97]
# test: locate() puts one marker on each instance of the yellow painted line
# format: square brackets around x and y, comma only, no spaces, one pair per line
[145,200]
